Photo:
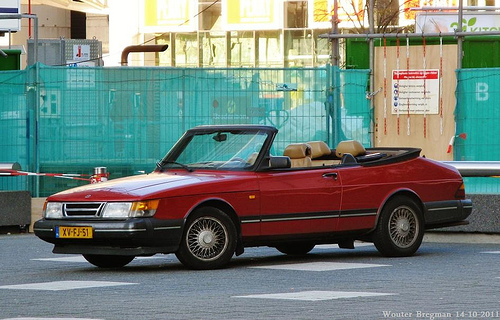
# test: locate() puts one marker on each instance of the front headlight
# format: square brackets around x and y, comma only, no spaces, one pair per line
[52,210]
[124,210]
[116,210]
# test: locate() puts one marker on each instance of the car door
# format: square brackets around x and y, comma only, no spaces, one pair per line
[363,189]
[302,201]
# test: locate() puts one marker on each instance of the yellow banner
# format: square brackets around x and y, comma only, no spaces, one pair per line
[252,15]
[170,15]
[350,13]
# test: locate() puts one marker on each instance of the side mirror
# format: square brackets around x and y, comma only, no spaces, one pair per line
[280,162]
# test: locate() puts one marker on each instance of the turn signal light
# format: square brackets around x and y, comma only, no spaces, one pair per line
[144,208]
[460,194]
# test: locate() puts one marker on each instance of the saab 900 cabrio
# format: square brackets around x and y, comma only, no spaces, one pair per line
[223,188]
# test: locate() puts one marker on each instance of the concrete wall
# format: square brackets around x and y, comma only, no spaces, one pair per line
[15,208]
[98,28]
[36,210]
[485,217]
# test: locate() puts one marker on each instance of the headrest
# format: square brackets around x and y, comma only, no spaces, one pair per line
[350,146]
[297,150]
[319,149]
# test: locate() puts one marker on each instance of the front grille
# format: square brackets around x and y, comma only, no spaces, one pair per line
[83,209]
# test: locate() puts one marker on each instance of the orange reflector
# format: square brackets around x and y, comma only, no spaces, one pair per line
[145,205]
[460,194]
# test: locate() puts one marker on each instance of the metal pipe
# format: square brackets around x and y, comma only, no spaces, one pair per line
[17,16]
[476,168]
[10,166]
[459,38]
[35,32]
[335,30]
[29,21]
[467,8]
[141,48]
[371,46]
[409,35]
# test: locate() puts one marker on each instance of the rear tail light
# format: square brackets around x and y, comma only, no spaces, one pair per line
[460,194]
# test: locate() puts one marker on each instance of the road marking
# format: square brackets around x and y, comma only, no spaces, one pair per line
[336,246]
[51,318]
[80,259]
[494,252]
[315,295]
[63,259]
[321,266]
[65,285]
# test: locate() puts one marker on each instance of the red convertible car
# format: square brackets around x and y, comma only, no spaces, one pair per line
[223,188]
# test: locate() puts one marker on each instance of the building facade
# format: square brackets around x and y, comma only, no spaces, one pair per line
[216,33]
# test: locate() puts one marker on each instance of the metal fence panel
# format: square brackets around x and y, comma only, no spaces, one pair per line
[14,118]
[69,120]
[477,117]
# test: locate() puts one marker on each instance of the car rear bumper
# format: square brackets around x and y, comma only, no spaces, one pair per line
[144,236]
[447,213]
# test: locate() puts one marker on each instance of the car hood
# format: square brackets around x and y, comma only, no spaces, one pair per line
[159,185]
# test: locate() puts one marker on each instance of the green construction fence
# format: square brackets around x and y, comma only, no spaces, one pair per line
[70,120]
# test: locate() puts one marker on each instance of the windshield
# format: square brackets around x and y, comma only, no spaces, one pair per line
[225,150]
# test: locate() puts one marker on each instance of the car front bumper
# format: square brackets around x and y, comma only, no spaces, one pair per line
[138,236]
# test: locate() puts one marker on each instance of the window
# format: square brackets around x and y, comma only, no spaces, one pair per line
[213,46]
[186,50]
[242,48]
[296,14]
[269,49]
[210,16]
[298,48]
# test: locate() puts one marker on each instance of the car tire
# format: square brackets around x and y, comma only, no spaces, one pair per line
[108,261]
[295,248]
[208,241]
[400,229]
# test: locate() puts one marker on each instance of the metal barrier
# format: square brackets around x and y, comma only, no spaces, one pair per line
[476,168]
[14,169]
[10,166]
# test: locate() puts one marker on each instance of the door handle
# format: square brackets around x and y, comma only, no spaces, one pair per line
[333,175]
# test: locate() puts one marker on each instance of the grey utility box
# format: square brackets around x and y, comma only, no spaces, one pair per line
[62,52]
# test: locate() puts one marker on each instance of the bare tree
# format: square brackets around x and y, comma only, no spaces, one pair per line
[386,15]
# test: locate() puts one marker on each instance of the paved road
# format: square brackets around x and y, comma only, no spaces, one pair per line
[443,281]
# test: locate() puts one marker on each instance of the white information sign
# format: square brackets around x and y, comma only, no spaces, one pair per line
[415,91]
[10,7]
[81,52]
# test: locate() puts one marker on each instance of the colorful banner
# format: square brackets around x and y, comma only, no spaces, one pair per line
[170,16]
[436,22]
[252,15]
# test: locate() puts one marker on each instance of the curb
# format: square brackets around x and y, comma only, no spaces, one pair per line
[461,237]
